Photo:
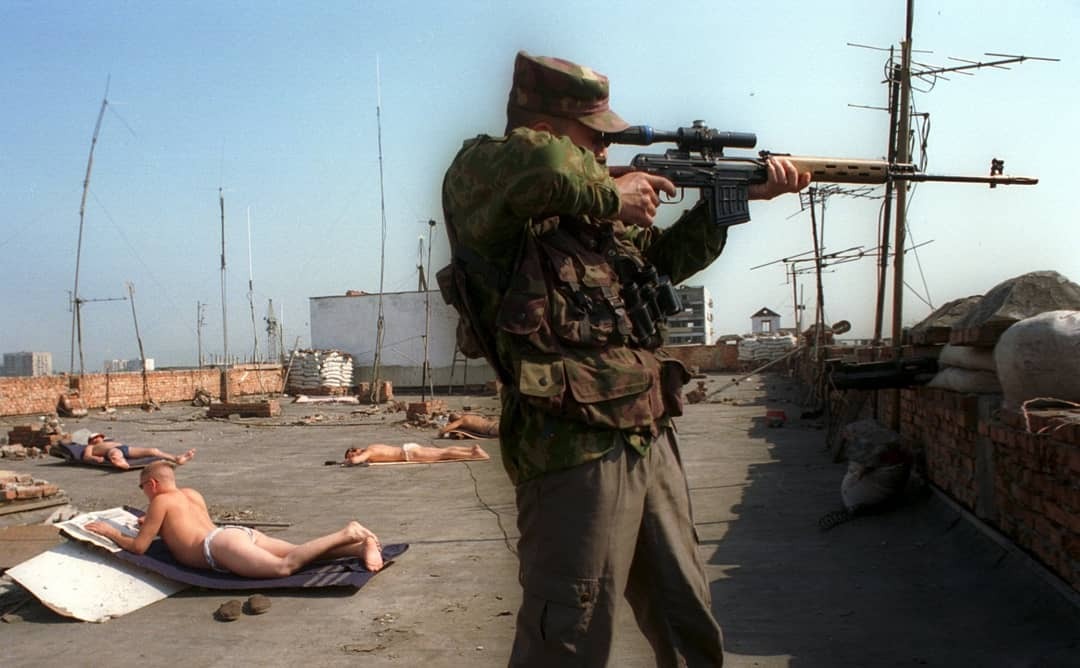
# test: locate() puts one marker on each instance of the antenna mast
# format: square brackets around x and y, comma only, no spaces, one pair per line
[76,311]
[148,402]
[224,313]
[425,381]
[199,322]
[379,330]
[251,293]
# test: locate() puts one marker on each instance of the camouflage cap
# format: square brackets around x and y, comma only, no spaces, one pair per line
[561,88]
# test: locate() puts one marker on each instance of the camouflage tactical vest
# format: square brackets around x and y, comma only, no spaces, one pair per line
[559,334]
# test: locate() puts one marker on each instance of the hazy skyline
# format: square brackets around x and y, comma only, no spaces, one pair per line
[275,103]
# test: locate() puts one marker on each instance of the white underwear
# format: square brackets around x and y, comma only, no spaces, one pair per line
[210,538]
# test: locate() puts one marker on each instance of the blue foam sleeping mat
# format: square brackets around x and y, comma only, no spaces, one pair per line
[344,572]
[72,453]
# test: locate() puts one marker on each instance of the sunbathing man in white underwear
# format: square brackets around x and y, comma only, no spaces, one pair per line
[100,448]
[180,516]
[377,453]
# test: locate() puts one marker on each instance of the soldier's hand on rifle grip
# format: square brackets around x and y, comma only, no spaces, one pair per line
[783,178]
[640,196]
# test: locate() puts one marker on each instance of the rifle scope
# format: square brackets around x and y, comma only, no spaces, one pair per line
[698,137]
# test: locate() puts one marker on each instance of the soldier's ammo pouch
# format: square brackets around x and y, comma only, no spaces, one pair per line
[451,286]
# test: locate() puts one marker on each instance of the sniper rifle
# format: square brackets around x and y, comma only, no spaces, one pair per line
[698,161]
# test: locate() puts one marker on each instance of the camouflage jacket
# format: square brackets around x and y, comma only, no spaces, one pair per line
[536,217]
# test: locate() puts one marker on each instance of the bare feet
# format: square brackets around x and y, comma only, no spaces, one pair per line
[355,531]
[478,452]
[372,556]
[370,549]
[186,457]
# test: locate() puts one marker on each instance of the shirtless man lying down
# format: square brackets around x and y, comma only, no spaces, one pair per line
[100,448]
[471,424]
[377,453]
[180,517]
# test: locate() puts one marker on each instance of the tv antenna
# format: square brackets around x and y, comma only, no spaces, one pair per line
[899,76]
[380,322]
[76,300]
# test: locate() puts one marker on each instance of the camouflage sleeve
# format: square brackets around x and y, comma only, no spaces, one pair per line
[686,247]
[552,176]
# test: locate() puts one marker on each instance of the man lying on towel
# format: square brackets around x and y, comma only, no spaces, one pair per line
[180,517]
[100,448]
[470,424]
[377,453]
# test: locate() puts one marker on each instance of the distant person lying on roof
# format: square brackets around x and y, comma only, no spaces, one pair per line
[100,448]
[377,453]
[180,517]
[470,423]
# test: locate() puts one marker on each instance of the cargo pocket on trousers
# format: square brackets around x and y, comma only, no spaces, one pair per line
[560,609]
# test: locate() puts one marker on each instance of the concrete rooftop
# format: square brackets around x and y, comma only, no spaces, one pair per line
[920,586]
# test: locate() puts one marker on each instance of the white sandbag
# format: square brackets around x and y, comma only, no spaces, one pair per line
[968,357]
[864,487]
[968,381]
[1040,357]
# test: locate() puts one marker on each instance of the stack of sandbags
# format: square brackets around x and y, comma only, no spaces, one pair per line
[969,369]
[1039,357]
[760,349]
[970,362]
[320,372]
[1010,302]
[936,328]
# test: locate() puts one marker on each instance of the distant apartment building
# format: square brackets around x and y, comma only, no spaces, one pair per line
[27,364]
[695,323]
[119,366]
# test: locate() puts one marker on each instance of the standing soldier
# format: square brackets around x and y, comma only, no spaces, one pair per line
[551,259]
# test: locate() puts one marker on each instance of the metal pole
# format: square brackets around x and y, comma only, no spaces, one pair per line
[883,257]
[76,314]
[147,399]
[428,383]
[224,311]
[902,155]
[198,330]
[795,301]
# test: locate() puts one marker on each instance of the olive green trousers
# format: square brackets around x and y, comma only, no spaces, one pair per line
[618,525]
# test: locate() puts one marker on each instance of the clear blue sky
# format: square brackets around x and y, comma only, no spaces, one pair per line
[276,103]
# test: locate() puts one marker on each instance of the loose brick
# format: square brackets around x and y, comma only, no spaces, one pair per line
[28,492]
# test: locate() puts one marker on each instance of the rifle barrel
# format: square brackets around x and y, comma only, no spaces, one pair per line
[997,179]
[857,170]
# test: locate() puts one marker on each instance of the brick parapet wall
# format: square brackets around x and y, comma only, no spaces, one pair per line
[1025,484]
[719,357]
[249,379]
[27,395]
[39,394]
[1021,476]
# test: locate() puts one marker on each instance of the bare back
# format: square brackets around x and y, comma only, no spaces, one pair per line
[186,523]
